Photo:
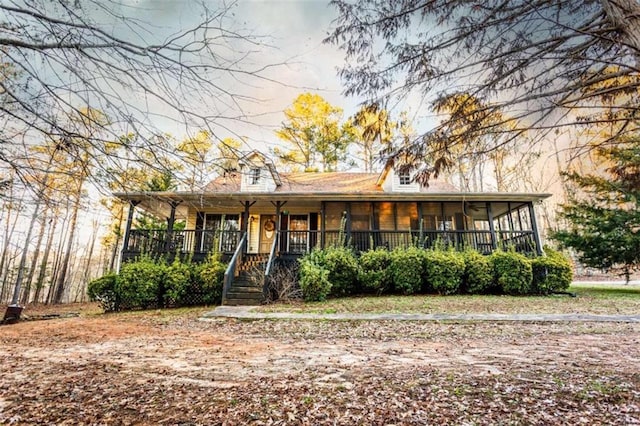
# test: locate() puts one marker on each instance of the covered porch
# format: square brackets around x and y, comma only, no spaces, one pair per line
[293,227]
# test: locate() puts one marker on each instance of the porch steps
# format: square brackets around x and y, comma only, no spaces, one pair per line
[244,290]
[253,261]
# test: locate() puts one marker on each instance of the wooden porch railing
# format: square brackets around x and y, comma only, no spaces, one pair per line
[300,242]
[183,241]
[201,242]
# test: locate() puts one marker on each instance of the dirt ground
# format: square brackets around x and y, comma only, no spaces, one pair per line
[168,367]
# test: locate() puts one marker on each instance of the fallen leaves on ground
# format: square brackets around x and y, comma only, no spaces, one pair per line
[171,368]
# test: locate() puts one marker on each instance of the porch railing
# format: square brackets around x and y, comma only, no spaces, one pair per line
[300,242]
[183,241]
[201,242]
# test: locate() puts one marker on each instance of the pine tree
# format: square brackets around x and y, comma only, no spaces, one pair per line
[605,219]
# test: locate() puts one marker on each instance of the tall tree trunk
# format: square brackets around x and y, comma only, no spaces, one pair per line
[60,282]
[10,228]
[45,260]
[34,261]
[57,259]
[25,251]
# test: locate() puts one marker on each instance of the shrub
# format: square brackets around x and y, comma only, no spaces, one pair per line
[512,272]
[103,290]
[552,272]
[343,270]
[444,270]
[406,270]
[478,272]
[139,283]
[208,279]
[314,278]
[373,273]
[177,282]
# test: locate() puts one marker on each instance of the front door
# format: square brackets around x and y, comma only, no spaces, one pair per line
[267,232]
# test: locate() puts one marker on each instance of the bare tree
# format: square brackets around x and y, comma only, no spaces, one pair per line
[59,56]
[530,59]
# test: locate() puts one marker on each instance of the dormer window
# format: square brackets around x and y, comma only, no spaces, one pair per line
[254,176]
[405,178]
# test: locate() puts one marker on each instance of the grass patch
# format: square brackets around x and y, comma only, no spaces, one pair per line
[606,291]
[590,299]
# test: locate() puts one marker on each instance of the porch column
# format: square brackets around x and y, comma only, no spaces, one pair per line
[323,223]
[244,226]
[170,222]
[421,225]
[127,231]
[492,229]
[510,218]
[278,205]
[534,228]
[348,224]
[245,215]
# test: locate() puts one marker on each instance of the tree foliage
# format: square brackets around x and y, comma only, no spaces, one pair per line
[56,57]
[374,131]
[197,154]
[604,219]
[531,59]
[315,133]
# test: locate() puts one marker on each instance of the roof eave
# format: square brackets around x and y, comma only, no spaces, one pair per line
[328,196]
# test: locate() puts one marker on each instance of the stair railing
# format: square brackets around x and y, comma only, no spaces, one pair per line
[232,269]
[269,267]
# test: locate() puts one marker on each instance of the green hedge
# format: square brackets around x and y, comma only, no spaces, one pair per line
[374,274]
[552,272]
[406,270]
[342,265]
[478,273]
[152,283]
[512,271]
[140,284]
[413,270]
[314,276]
[103,290]
[444,270]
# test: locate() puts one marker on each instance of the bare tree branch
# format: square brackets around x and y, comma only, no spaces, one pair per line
[533,60]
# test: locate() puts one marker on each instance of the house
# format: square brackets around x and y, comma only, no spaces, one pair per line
[258,216]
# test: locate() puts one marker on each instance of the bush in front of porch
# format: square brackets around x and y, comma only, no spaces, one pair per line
[415,270]
[155,283]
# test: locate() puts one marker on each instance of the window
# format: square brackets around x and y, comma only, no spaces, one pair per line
[220,228]
[254,177]
[405,178]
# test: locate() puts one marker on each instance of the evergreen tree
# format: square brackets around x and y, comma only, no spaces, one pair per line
[604,223]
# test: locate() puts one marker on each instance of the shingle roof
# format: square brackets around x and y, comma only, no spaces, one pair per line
[314,183]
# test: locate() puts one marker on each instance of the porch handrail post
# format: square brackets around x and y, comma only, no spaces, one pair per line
[534,228]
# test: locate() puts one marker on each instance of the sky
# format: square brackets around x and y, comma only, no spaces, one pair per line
[292,33]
